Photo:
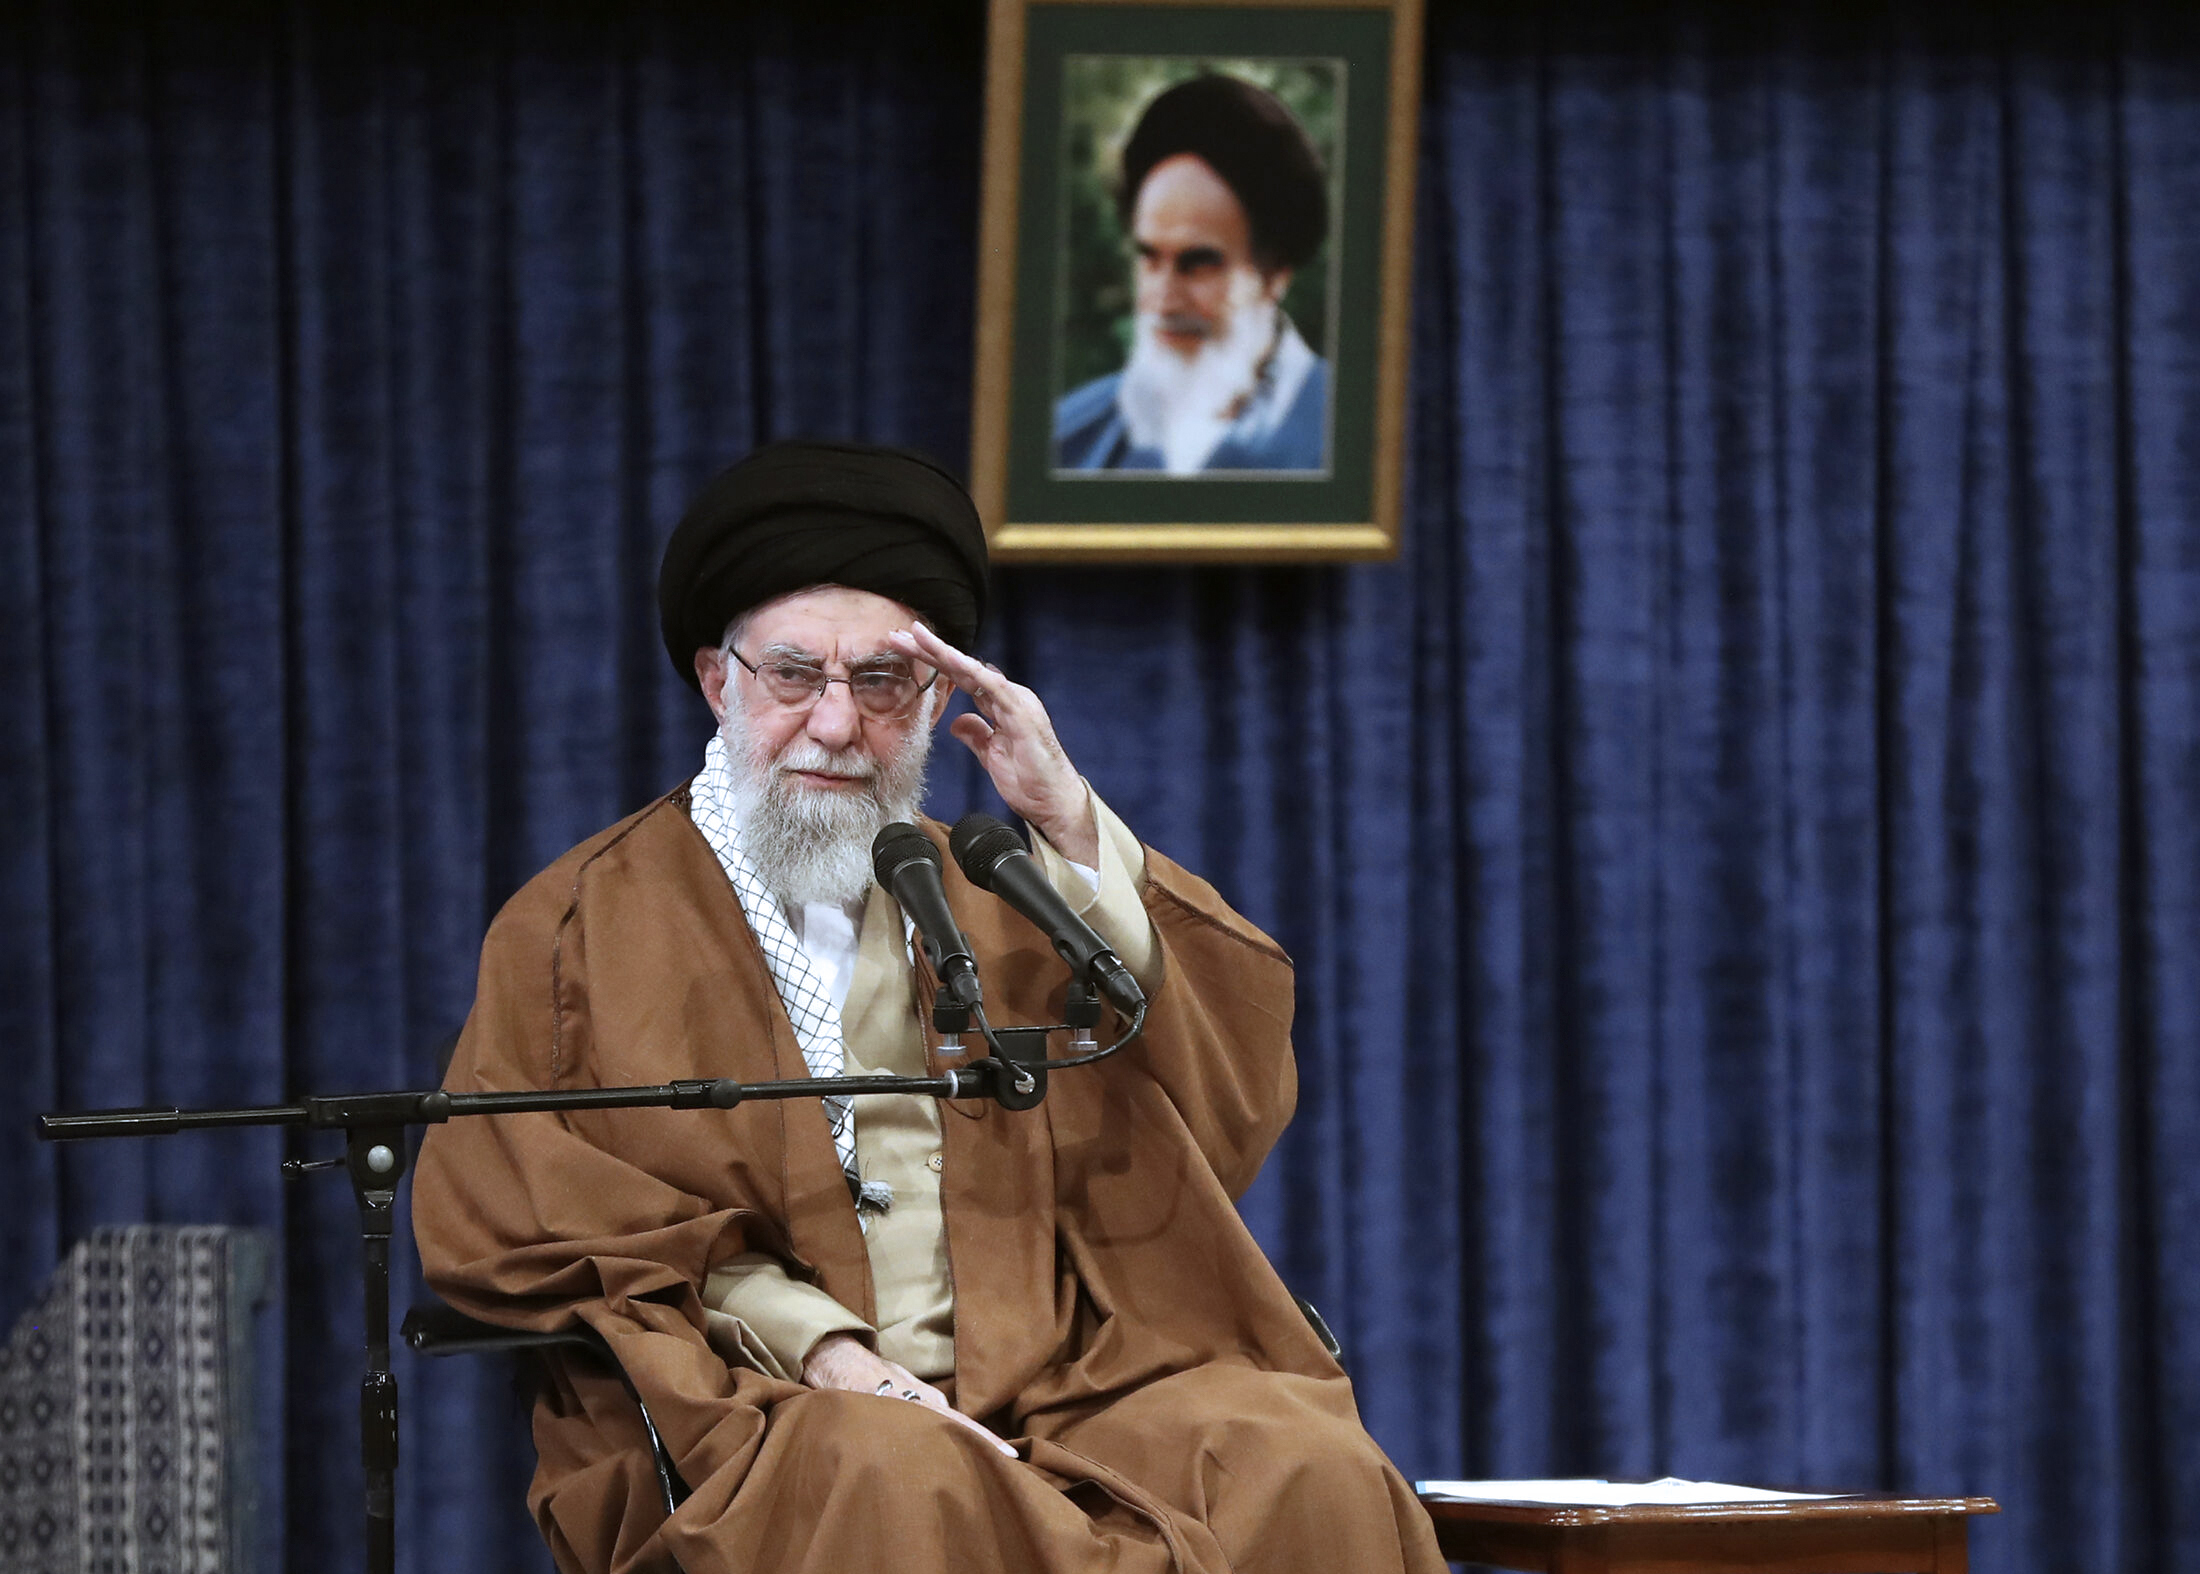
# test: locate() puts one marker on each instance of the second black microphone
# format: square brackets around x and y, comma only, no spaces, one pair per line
[994,858]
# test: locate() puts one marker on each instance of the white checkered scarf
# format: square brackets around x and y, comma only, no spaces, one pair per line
[816,1019]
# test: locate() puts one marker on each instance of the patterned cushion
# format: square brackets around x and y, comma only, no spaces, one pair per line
[126,1407]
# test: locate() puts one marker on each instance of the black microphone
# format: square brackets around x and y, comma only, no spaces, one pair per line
[908,865]
[994,859]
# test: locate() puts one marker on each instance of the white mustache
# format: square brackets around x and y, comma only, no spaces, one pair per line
[814,760]
[1181,323]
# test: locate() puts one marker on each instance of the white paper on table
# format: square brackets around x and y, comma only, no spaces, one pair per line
[1608,1494]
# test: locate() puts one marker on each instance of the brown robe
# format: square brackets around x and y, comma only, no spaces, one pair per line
[1112,1311]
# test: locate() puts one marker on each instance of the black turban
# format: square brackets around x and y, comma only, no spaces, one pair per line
[1246,136]
[794,515]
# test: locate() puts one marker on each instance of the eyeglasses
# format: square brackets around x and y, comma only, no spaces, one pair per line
[886,692]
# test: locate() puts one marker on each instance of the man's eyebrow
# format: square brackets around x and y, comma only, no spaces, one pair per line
[1198,257]
[780,651]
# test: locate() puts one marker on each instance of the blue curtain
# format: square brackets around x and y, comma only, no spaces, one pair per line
[1742,857]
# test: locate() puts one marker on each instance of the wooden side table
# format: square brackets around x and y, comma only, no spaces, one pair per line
[1867,1534]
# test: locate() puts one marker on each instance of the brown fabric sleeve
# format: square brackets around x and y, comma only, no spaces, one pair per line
[1223,1013]
[534,1220]
[519,1217]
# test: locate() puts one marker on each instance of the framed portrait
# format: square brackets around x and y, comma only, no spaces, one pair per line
[1193,278]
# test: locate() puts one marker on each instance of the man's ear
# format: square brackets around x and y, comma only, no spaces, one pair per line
[710,671]
[1275,285]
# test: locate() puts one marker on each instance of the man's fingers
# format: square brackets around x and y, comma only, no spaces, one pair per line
[985,685]
[922,642]
[931,646]
[913,1390]
[1000,702]
[957,1416]
[975,731]
[1012,736]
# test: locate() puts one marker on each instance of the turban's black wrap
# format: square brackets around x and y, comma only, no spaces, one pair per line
[793,515]
[1257,146]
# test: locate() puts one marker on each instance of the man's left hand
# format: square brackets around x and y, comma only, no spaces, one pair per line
[1014,740]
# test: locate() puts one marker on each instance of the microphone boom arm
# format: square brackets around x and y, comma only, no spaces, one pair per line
[374,1127]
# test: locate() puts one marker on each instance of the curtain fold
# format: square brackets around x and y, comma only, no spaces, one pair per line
[1741,858]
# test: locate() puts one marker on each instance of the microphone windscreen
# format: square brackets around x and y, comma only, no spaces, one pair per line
[897,846]
[979,843]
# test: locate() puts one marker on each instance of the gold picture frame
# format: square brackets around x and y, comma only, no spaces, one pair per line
[1063,88]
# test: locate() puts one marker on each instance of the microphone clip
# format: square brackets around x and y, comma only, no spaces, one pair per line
[1082,1013]
[950,1018]
[1020,1080]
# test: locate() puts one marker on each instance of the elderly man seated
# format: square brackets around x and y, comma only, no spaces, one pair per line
[889,1333]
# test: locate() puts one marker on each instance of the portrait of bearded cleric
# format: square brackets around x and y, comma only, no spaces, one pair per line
[1191,346]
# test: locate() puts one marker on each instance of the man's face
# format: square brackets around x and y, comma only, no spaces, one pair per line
[813,780]
[1195,255]
[840,630]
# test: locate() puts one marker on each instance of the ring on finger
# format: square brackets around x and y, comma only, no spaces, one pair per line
[911,1394]
[884,1383]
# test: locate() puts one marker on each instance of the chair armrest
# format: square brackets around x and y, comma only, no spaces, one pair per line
[1321,1329]
[432,1328]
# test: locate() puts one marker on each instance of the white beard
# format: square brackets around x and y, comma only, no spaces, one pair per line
[1185,407]
[810,844]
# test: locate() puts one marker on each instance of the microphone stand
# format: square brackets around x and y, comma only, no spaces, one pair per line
[374,1127]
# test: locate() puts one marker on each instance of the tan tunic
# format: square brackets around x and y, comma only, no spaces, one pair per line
[1112,1315]
[757,1314]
